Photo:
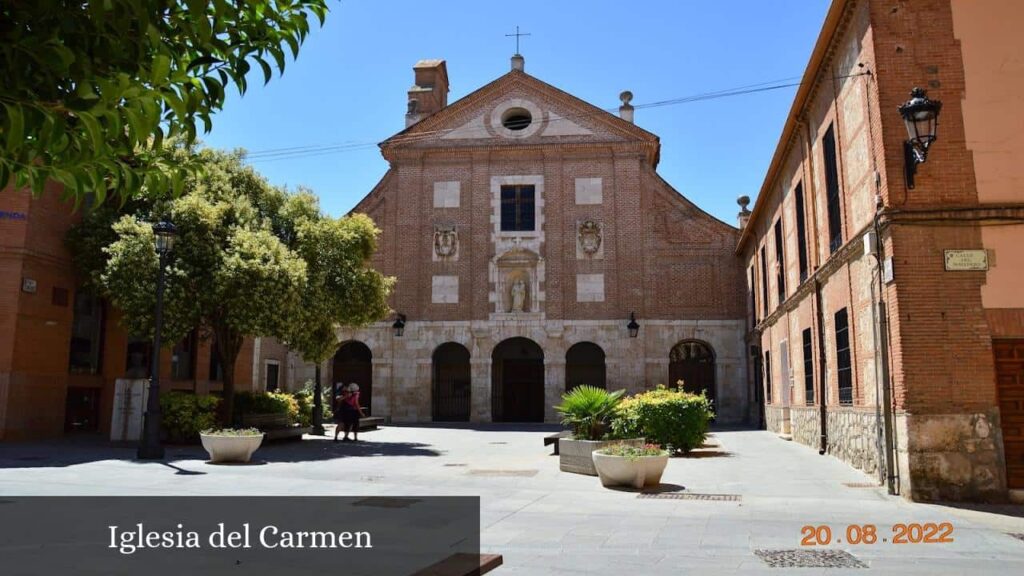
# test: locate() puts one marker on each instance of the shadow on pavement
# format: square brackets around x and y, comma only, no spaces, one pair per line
[71,451]
[1014,510]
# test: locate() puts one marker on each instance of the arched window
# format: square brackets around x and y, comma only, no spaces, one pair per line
[353,363]
[693,363]
[517,381]
[584,364]
[451,383]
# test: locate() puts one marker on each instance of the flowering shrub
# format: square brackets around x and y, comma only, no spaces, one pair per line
[304,400]
[267,403]
[184,415]
[673,419]
[632,452]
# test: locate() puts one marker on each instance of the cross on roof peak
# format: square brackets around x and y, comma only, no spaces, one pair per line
[517,35]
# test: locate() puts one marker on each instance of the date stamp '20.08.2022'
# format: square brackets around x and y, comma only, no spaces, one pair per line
[914,533]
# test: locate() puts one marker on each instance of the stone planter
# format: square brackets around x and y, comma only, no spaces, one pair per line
[230,448]
[575,455]
[636,472]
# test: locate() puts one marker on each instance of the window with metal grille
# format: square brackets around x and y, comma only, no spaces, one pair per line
[780,262]
[517,209]
[753,297]
[767,377]
[843,368]
[835,221]
[801,231]
[808,368]
[183,358]
[764,283]
[86,334]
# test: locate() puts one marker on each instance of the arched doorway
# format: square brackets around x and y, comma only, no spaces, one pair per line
[354,363]
[584,364]
[693,362]
[517,381]
[451,383]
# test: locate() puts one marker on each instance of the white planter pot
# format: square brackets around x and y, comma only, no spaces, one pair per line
[635,472]
[574,455]
[230,448]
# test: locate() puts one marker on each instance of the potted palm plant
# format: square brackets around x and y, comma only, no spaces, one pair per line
[231,444]
[628,465]
[586,410]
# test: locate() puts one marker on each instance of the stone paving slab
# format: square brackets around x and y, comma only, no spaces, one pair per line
[546,522]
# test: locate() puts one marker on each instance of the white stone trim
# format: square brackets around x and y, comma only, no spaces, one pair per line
[536,114]
[589,191]
[444,289]
[590,287]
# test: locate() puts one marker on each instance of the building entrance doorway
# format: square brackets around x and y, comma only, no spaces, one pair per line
[353,363]
[451,383]
[517,381]
[693,362]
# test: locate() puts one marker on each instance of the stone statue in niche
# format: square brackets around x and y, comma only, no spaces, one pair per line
[446,241]
[518,295]
[589,235]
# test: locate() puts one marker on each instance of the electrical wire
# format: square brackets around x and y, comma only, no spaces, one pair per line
[313,150]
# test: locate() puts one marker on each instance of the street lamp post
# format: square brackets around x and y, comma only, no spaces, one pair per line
[150,448]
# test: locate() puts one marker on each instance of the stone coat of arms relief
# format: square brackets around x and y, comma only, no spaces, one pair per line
[589,239]
[446,243]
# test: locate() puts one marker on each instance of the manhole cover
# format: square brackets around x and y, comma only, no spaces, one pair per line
[690,496]
[860,484]
[809,559]
[1017,536]
[497,442]
[386,502]
[372,478]
[504,473]
[454,465]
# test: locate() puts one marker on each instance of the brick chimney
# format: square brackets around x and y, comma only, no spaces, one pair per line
[429,93]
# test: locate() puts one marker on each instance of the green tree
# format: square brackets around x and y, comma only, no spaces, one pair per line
[89,90]
[340,290]
[244,262]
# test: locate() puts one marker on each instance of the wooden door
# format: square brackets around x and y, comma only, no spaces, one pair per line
[1009,356]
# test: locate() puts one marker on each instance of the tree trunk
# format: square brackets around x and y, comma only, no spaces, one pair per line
[229,344]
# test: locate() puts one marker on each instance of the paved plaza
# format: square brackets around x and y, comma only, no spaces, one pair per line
[547,522]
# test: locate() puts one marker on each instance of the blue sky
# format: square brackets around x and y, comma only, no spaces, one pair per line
[350,81]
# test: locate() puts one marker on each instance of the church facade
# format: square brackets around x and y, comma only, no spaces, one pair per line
[536,248]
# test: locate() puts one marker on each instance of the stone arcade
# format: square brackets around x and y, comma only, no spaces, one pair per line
[525,226]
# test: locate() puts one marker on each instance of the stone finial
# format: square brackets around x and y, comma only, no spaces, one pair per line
[518,62]
[626,110]
[744,215]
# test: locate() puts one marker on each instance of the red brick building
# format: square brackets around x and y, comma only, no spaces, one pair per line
[886,321]
[61,349]
[525,228]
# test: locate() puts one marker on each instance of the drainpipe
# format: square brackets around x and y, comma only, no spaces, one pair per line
[892,474]
[822,370]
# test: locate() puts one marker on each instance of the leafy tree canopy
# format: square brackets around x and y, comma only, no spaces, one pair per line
[249,260]
[89,90]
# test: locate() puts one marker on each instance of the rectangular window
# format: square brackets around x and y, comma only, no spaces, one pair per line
[517,208]
[753,297]
[138,358]
[764,283]
[835,221]
[843,367]
[183,358]
[216,370]
[86,333]
[780,262]
[272,373]
[767,377]
[801,231]
[808,368]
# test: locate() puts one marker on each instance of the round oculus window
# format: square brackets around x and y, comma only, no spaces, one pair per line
[516,119]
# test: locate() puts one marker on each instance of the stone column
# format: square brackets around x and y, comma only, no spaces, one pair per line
[480,390]
[382,400]
[554,387]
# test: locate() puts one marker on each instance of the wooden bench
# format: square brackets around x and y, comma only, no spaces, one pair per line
[463,565]
[553,439]
[370,423]
[274,426]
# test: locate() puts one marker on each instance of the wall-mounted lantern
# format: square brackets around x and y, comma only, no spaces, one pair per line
[399,326]
[633,326]
[921,117]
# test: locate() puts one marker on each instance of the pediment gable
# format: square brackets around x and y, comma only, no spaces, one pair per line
[545,115]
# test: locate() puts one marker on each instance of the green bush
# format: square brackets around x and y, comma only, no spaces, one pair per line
[304,399]
[184,415]
[266,403]
[586,410]
[673,419]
